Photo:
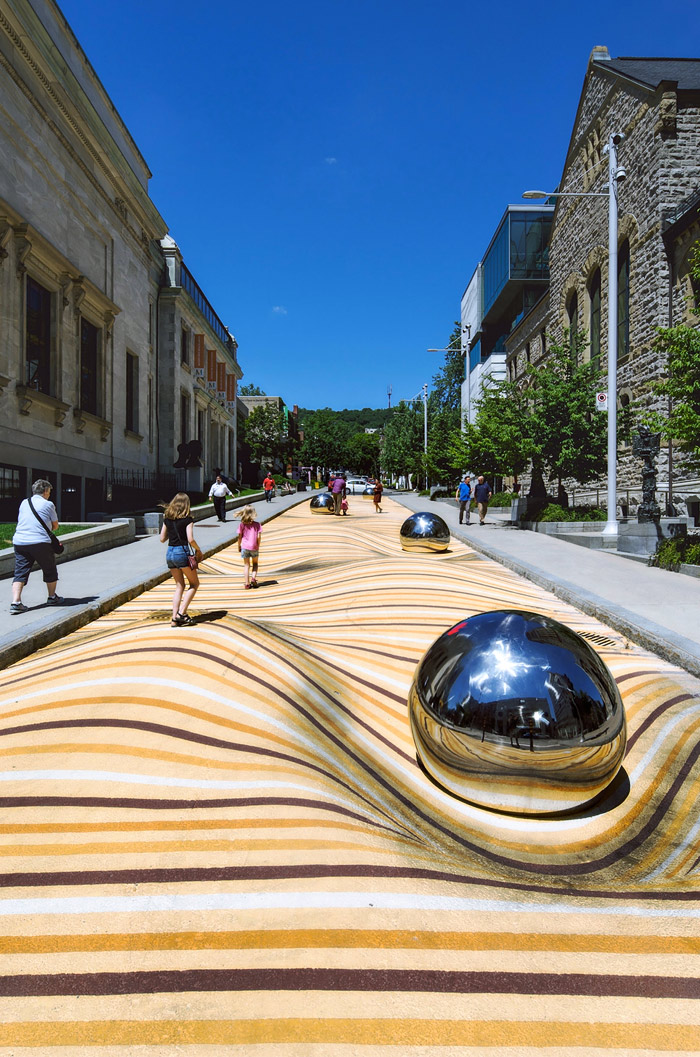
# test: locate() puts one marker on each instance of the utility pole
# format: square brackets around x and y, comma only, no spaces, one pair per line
[425,430]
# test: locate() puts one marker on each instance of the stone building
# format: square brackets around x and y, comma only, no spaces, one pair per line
[655,105]
[198,374]
[100,323]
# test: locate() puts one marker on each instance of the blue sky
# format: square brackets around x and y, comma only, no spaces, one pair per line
[332,172]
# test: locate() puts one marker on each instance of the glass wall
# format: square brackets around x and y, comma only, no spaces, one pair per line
[519,250]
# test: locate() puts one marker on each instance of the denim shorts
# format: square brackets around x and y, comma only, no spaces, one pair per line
[177,557]
[245,553]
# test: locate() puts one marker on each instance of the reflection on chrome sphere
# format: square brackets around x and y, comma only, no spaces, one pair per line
[424,532]
[368,489]
[516,712]
[322,503]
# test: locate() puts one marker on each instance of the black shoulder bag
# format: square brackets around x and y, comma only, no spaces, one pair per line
[55,541]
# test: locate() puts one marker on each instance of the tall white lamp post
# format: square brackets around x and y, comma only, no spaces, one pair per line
[615,175]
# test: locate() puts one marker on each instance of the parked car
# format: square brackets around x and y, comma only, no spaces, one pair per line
[355,485]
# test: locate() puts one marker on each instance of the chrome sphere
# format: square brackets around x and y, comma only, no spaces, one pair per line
[368,490]
[322,503]
[424,532]
[516,712]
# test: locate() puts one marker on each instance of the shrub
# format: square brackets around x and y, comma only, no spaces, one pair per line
[554,512]
[675,551]
[502,499]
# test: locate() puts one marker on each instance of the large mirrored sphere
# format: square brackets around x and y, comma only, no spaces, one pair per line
[368,490]
[322,503]
[516,712]
[424,532]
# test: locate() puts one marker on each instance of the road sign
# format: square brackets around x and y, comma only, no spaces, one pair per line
[601,401]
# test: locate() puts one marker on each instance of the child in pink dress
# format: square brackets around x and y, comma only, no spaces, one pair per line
[344,505]
[249,544]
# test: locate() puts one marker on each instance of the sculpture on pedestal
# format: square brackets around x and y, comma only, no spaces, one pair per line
[646,446]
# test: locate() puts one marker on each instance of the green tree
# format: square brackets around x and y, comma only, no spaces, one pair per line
[403,441]
[550,422]
[250,390]
[500,441]
[680,346]
[569,436]
[445,412]
[363,453]
[266,435]
[326,439]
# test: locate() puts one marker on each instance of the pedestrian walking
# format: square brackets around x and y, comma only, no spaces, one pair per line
[217,493]
[269,486]
[182,556]
[37,518]
[377,496]
[339,491]
[482,494]
[249,532]
[464,495]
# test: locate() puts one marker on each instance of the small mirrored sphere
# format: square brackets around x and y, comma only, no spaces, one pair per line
[368,489]
[322,503]
[516,712]
[424,532]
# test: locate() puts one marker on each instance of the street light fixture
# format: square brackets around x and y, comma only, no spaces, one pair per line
[615,175]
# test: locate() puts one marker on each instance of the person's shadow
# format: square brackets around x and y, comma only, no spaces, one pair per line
[67,602]
[210,617]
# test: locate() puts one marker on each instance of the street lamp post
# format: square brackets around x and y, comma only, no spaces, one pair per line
[615,175]
[425,430]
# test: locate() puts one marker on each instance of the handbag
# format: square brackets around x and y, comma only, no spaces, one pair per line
[192,557]
[56,544]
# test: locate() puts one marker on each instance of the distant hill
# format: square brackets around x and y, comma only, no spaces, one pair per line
[365,418]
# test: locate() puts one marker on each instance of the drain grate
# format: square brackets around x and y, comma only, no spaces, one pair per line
[600,640]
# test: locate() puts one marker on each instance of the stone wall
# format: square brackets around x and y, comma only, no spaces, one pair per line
[661,155]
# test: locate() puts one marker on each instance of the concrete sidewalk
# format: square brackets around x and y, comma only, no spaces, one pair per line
[99,583]
[657,609]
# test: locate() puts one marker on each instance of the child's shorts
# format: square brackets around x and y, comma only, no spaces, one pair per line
[248,554]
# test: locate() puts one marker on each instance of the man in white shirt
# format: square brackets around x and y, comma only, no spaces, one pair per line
[32,543]
[217,493]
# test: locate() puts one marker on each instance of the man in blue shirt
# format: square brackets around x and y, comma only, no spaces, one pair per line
[464,495]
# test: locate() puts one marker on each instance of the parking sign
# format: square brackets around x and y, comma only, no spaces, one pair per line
[601,401]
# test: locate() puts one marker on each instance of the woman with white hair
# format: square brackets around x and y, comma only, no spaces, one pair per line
[36,519]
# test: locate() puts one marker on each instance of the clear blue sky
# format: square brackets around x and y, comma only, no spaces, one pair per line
[333,171]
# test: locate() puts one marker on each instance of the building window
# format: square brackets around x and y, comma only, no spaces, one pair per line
[543,343]
[11,481]
[89,368]
[527,352]
[623,299]
[594,294]
[184,345]
[572,313]
[184,418]
[150,409]
[132,392]
[38,337]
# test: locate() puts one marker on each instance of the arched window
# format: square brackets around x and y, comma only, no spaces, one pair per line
[623,299]
[572,312]
[594,295]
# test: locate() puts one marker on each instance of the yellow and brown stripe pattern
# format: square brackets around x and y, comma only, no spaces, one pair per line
[216,840]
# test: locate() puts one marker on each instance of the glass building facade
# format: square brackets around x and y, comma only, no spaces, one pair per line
[518,250]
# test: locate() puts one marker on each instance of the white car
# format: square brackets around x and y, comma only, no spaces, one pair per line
[355,485]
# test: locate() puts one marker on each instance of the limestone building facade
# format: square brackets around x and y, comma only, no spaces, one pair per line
[101,324]
[655,105]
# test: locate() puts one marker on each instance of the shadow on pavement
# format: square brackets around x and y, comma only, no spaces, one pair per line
[210,617]
[67,602]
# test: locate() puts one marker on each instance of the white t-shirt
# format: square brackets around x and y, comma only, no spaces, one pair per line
[28,528]
[219,489]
